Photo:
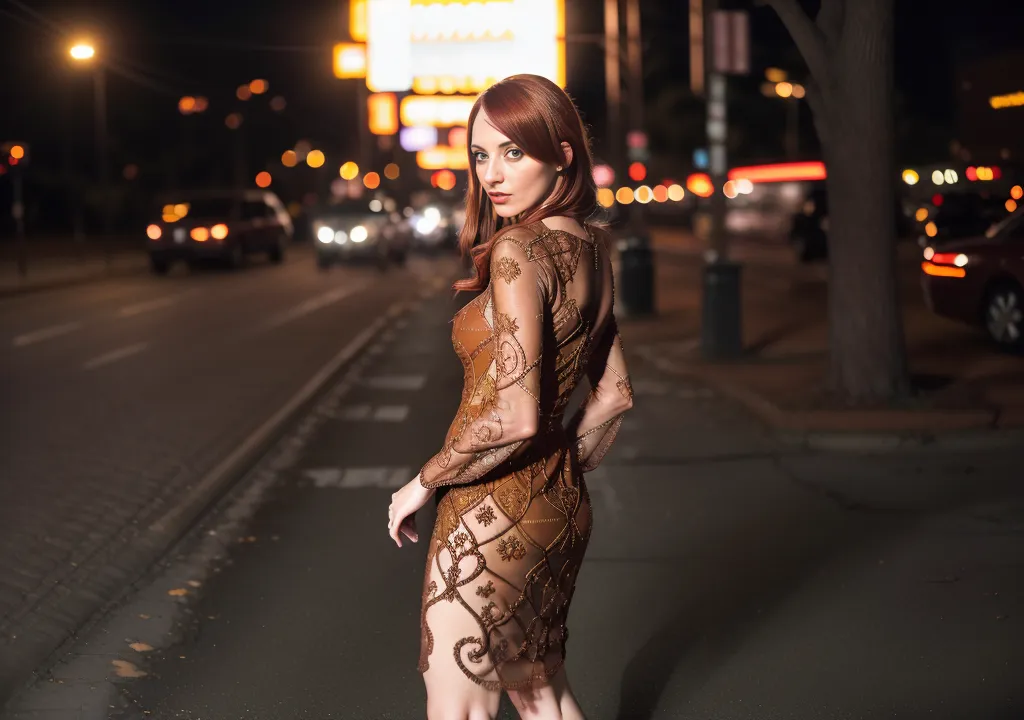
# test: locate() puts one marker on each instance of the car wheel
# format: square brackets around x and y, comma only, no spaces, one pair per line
[276,253]
[1004,316]
[159,266]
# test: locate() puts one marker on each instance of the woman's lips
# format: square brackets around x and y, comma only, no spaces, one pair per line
[499,198]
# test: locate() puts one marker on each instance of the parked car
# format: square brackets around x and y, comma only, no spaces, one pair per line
[979,281]
[358,229]
[226,226]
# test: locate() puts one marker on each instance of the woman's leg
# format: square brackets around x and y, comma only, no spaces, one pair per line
[453,696]
[554,701]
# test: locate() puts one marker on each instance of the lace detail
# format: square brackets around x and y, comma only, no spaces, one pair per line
[513,526]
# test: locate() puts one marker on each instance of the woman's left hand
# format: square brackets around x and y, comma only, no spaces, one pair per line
[402,512]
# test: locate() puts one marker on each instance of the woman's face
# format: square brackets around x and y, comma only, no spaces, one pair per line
[514,181]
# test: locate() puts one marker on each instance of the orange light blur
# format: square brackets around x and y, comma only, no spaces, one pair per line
[263,179]
[382,111]
[357,20]
[392,171]
[780,172]
[942,270]
[258,86]
[243,92]
[637,172]
[219,231]
[729,189]
[186,105]
[201,104]
[700,185]
[624,195]
[233,121]
[660,193]
[17,152]
[1015,192]
[200,234]
[289,158]
[1011,205]
[153,232]
[349,61]
[443,157]
[458,137]
[444,179]
[371,180]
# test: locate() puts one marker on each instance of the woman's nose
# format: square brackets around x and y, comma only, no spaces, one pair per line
[492,173]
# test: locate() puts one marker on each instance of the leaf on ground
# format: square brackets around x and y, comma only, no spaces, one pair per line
[125,669]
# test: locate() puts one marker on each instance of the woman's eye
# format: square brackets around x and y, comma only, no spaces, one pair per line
[515,153]
[479,156]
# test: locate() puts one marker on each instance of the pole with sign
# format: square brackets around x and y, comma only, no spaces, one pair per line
[728,52]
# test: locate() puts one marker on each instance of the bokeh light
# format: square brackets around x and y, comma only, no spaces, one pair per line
[624,195]
[371,180]
[243,92]
[263,179]
[392,171]
[315,158]
[605,197]
[349,171]
[289,158]
[660,193]
[676,192]
[643,194]
[233,121]
[258,87]
[278,104]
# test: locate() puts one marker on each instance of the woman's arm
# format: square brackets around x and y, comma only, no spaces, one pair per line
[508,416]
[597,422]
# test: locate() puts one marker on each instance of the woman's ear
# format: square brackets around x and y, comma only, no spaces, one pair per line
[567,151]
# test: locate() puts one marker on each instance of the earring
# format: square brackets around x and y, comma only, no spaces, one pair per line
[558,168]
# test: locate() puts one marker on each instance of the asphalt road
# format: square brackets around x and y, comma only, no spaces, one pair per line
[119,395]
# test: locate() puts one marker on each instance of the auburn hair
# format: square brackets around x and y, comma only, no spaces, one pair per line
[538,116]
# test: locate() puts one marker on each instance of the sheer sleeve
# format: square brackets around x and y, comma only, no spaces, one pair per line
[506,412]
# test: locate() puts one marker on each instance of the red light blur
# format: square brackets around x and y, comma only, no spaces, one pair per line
[937,200]
[972,173]
[780,172]
[996,173]
[637,172]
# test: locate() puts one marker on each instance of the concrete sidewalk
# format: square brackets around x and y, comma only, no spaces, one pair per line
[728,576]
[962,383]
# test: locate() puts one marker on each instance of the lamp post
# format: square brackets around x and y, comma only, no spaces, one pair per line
[85,53]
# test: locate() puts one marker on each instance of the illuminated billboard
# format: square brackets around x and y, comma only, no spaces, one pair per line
[453,46]
[435,111]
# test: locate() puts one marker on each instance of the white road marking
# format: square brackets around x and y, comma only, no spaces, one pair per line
[354,412]
[150,305]
[397,382]
[391,413]
[312,305]
[115,355]
[45,333]
[353,478]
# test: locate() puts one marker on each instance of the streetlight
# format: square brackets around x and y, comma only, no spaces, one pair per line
[84,53]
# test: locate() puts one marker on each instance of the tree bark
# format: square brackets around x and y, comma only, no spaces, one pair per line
[850,55]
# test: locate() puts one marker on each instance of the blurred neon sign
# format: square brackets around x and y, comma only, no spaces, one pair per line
[780,172]
[435,111]
[998,102]
[451,46]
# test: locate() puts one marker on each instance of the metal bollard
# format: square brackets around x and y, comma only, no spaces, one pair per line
[636,276]
[721,322]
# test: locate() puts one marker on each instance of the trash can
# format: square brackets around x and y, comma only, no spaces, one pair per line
[635,294]
[721,321]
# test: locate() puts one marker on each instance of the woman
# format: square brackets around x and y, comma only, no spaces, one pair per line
[513,524]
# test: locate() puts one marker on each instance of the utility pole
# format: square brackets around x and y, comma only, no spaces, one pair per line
[613,86]
[102,159]
[726,51]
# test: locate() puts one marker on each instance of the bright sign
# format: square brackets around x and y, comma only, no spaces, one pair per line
[781,172]
[382,112]
[349,60]
[999,102]
[456,46]
[413,139]
[443,157]
[432,111]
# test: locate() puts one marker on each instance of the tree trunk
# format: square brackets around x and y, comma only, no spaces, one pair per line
[867,360]
[850,54]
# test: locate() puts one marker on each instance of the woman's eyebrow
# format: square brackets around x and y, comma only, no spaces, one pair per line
[505,144]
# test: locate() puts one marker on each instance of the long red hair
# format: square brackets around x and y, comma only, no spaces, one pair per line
[538,116]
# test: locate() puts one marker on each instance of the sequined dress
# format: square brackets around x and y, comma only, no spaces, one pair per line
[515,518]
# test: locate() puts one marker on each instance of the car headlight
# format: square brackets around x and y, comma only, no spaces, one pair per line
[340,237]
[358,234]
[325,234]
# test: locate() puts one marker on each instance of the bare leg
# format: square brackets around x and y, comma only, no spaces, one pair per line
[554,701]
[453,696]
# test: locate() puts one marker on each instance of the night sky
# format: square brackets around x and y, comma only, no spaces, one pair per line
[209,47]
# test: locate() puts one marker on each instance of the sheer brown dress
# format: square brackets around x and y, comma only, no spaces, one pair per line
[514,519]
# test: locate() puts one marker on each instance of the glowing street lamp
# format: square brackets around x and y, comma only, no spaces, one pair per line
[82,51]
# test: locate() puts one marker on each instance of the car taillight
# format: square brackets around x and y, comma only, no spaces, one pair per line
[219,231]
[153,232]
[200,234]
[957,259]
[931,268]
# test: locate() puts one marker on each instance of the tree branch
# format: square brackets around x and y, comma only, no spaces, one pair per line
[808,38]
[830,20]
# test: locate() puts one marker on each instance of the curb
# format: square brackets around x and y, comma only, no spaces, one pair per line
[832,432]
